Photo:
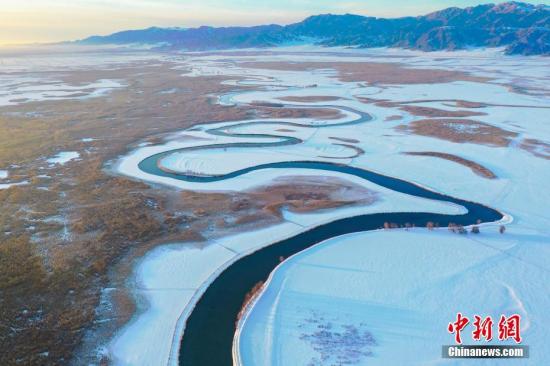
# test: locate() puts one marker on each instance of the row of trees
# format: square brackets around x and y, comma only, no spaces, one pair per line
[455,228]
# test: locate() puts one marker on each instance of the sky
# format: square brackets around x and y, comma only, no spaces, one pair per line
[31,21]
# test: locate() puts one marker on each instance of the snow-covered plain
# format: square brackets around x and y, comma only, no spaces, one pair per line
[17,89]
[385,298]
[32,74]
[63,157]
[400,288]
[8,185]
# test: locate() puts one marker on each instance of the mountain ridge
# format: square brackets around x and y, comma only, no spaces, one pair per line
[519,27]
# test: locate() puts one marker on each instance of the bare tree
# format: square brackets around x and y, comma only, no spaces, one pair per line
[452,227]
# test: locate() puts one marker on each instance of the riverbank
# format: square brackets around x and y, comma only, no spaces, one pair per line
[354,285]
[160,275]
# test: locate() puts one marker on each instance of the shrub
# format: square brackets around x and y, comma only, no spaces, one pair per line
[250,295]
[452,227]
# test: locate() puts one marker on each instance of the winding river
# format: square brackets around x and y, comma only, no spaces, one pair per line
[210,328]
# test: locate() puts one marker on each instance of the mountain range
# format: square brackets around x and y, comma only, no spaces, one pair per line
[519,27]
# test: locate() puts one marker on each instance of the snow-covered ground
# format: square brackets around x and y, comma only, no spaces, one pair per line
[398,288]
[8,185]
[63,157]
[4,174]
[16,89]
[172,278]
[385,298]
[36,74]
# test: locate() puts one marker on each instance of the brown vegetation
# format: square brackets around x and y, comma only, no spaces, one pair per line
[475,167]
[469,104]
[370,72]
[536,147]
[348,140]
[249,297]
[316,113]
[311,99]
[421,111]
[461,131]
[41,312]
[436,112]
[457,229]
[358,152]
[394,117]
[456,103]
[66,237]
[259,103]
[304,194]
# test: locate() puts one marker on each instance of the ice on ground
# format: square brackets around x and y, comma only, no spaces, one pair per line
[208,162]
[33,59]
[8,185]
[4,174]
[63,157]
[402,288]
[23,90]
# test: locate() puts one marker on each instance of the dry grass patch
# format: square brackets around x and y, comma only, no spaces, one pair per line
[394,117]
[42,313]
[469,104]
[536,147]
[456,103]
[305,194]
[420,110]
[343,139]
[436,112]
[292,113]
[475,167]
[461,131]
[370,72]
[311,99]
[357,152]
